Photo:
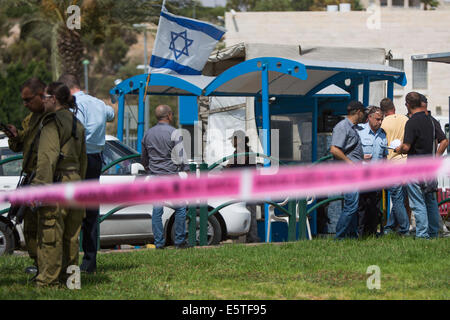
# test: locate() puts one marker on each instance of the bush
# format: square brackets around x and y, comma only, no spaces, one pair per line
[12,109]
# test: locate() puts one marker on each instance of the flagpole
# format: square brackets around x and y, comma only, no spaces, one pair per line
[148,63]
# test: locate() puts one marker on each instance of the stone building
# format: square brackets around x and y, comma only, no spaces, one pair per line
[402,31]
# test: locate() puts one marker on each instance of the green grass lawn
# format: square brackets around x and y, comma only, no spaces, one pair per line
[318,269]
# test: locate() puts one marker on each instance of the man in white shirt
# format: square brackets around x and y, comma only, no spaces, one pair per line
[93,113]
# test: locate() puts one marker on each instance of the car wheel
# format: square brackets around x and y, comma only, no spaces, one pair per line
[214,231]
[7,244]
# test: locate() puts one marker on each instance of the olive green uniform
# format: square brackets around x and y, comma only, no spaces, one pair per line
[61,157]
[23,143]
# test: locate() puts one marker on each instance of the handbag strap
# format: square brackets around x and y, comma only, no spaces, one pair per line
[434,135]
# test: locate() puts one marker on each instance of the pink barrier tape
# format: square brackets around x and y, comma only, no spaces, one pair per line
[296,181]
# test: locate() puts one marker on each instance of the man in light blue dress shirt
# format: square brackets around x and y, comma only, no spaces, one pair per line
[93,113]
[374,144]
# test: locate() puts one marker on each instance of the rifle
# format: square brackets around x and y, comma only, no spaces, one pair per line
[18,211]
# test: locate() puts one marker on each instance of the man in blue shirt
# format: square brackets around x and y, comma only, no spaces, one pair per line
[346,146]
[374,144]
[93,113]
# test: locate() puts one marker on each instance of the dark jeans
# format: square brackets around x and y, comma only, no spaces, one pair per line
[347,225]
[398,216]
[90,226]
[368,213]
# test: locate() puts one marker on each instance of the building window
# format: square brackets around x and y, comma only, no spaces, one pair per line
[414,3]
[398,3]
[398,64]
[420,75]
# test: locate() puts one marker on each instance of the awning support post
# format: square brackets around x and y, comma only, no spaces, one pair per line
[266,135]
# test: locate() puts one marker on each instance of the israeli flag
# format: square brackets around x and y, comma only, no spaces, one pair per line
[183,45]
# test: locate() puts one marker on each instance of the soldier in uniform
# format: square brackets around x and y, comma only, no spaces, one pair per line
[32,92]
[61,157]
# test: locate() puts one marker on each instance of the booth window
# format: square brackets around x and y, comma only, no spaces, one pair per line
[398,64]
[295,137]
[420,75]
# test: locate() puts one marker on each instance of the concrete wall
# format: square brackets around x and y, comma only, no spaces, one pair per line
[405,32]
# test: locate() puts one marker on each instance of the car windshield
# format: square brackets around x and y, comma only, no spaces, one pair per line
[115,150]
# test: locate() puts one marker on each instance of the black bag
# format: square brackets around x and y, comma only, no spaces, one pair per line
[431,186]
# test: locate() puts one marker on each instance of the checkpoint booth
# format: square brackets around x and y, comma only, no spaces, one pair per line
[316,89]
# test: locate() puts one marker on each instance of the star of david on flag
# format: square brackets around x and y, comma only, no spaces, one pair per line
[183,45]
[187,42]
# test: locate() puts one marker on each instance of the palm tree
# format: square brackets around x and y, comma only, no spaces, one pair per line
[101,22]
[46,20]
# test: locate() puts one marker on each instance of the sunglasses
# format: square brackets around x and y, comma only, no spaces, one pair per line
[27,100]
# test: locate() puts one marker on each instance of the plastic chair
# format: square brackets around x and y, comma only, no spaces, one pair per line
[284,218]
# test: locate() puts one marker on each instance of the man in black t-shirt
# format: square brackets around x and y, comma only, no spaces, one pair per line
[418,140]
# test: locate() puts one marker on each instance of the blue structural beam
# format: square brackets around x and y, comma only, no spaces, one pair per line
[314,129]
[141,115]
[390,90]
[266,135]
[280,65]
[366,91]
[120,116]
[136,85]
[356,78]
[188,110]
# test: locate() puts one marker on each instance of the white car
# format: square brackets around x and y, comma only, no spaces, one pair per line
[131,225]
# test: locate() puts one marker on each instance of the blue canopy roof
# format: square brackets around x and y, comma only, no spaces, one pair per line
[285,78]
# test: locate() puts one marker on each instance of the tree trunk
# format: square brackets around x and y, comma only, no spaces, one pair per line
[55,59]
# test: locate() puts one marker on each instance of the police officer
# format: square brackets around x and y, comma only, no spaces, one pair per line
[374,144]
[61,157]
[32,92]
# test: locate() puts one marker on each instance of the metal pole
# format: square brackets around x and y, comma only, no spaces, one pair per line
[140,124]
[390,90]
[203,213]
[127,128]
[266,136]
[366,91]
[315,120]
[120,117]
